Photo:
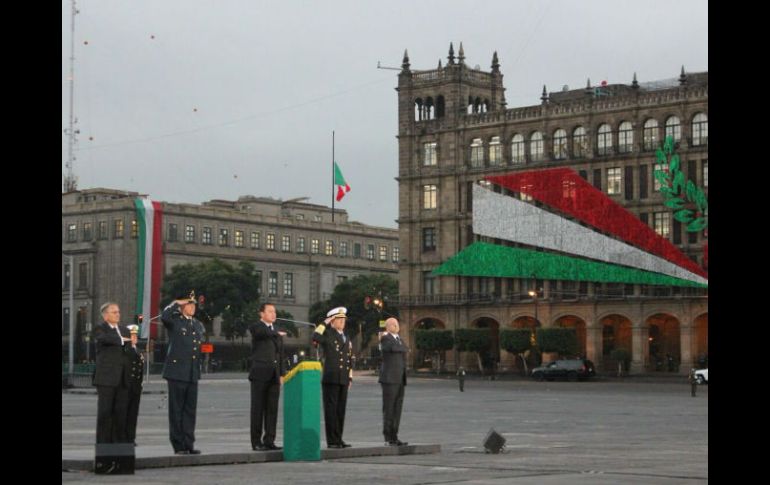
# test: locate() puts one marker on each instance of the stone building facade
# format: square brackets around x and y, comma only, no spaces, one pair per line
[455,128]
[301,255]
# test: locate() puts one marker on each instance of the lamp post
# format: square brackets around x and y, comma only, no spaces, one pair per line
[71,360]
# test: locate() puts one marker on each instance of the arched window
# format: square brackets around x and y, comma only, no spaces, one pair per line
[477,153]
[560,144]
[495,152]
[579,142]
[673,128]
[604,139]
[418,109]
[536,152]
[625,137]
[700,130]
[428,109]
[517,149]
[650,134]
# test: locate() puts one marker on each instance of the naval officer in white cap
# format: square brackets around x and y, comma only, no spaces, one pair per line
[337,373]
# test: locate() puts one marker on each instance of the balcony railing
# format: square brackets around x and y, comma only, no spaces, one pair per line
[608,294]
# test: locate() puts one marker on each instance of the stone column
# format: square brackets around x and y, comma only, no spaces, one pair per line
[638,349]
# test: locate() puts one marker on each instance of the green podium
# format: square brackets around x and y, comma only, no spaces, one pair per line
[302,413]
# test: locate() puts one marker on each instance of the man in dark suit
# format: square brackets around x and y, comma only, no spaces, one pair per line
[266,376]
[182,370]
[392,379]
[134,381]
[109,377]
[337,373]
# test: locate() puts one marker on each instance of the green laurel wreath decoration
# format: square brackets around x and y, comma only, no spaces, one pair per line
[676,190]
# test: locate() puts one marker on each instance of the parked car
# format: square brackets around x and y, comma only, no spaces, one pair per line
[702,376]
[570,369]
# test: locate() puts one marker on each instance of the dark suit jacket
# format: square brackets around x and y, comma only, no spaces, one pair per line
[110,360]
[183,361]
[393,368]
[338,356]
[267,363]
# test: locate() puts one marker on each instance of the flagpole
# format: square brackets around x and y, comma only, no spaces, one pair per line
[332,175]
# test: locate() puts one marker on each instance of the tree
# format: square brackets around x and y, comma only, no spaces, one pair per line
[434,341]
[352,294]
[517,341]
[225,288]
[473,340]
[282,323]
[561,340]
[622,357]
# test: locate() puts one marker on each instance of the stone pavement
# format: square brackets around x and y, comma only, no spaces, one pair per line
[607,431]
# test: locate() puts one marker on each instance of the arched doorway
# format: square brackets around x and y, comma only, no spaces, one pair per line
[701,342]
[663,343]
[616,334]
[424,359]
[571,321]
[491,359]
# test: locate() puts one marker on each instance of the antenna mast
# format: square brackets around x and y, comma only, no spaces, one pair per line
[70,181]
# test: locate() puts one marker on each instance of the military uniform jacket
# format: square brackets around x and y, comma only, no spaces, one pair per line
[338,356]
[393,370]
[267,362]
[134,368]
[110,359]
[183,361]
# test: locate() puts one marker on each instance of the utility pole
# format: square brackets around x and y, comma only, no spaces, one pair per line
[70,181]
[71,367]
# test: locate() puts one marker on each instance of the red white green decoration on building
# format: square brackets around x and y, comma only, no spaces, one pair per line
[589,236]
[149,218]
[678,194]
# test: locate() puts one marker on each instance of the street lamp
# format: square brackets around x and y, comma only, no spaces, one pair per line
[71,360]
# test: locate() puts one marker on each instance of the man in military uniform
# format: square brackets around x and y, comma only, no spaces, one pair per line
[134,382]
[182,370]
[337,373]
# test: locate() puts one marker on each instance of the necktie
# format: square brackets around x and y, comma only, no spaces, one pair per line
[119,335]
[398,339]
[344,340]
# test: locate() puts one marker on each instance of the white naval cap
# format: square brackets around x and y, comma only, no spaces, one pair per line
[340,311]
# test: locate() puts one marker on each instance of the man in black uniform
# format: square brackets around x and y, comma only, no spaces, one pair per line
[182,370]
[337,375]
[109,377]
[266,376]
[134,380]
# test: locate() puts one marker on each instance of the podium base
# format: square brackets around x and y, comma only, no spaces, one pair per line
[114,459]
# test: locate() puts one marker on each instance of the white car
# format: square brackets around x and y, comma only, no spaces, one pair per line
[702,376]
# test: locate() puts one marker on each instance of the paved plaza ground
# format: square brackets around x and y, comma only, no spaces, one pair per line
[601,432]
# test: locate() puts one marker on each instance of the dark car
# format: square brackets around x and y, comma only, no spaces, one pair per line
[572,370]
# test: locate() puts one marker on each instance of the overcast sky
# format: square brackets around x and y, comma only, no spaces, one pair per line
[192,100]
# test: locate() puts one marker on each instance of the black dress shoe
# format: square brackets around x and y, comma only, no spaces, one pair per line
[401,443]
[335,445]
[392,443]
[182,452]
[271,446]
[194,452]
[345,445]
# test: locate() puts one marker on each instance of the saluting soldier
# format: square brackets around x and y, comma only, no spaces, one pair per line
[134,381]
[182,370]
[337,373]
